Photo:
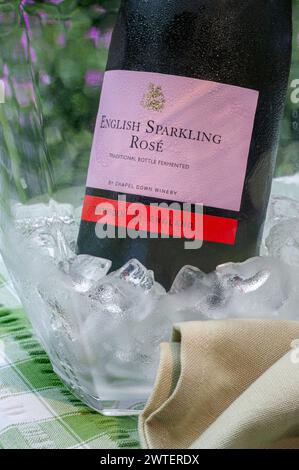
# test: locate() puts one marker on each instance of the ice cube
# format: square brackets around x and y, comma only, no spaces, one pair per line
[28,217]
[59,299]
[123,299]
[50,238]
[137,275]
[116,331]
[286,186]
[116,328]
[257,288]
[196,293]
[188,277]
[51,228]
[283,241]
[107,328]
[280,209]
[115,297]
[132,364]
[86,271]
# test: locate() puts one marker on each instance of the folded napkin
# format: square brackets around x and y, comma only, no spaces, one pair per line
[225,384]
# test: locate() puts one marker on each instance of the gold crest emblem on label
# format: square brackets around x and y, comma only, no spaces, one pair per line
[154,99]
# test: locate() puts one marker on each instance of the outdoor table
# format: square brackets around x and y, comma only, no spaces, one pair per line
[36,410]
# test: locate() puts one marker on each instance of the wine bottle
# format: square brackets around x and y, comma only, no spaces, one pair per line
[189,114]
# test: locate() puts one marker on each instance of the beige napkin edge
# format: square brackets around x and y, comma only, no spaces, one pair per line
[164,390]
[262,416]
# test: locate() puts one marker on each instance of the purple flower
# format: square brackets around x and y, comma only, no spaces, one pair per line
[43,16]
[94,35]
[24,41]
[24,92]
[26,17]
[93,78]
[45,78]
[6,70]
[61,40]
[24,45]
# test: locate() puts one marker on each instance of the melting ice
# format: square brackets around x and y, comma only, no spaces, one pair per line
[102,328]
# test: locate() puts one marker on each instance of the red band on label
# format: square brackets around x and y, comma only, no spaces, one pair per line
[161,220]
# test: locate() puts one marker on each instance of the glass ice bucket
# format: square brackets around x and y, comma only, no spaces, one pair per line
[101,328]
[91,325]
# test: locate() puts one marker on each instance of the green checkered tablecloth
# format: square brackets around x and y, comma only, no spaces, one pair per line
[36,409]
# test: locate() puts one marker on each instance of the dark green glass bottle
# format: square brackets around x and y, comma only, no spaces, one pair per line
[206,79]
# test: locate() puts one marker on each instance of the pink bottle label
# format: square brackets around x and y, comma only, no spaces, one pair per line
[174,138]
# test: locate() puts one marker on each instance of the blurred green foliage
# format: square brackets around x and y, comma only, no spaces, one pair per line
[70,40]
